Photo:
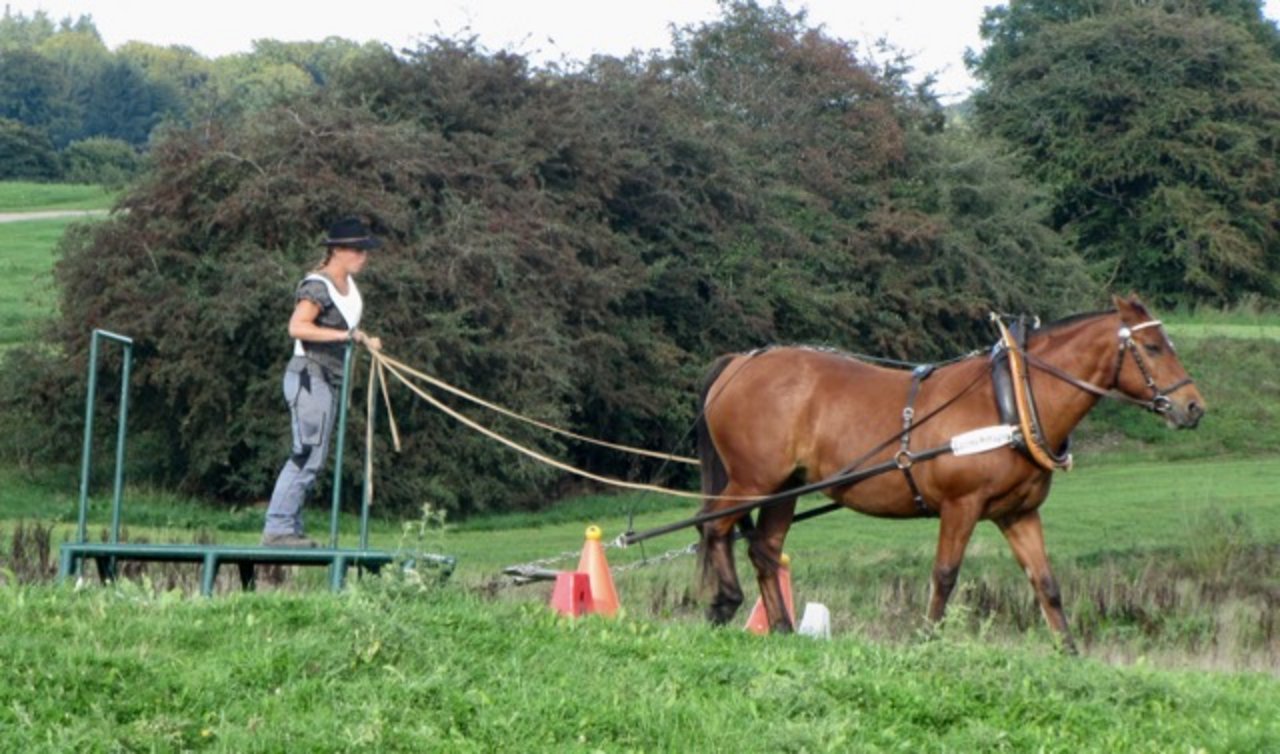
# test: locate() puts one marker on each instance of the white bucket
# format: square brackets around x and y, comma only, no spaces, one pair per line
[816,621]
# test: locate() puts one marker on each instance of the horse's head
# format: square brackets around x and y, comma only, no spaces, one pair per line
[1149,369]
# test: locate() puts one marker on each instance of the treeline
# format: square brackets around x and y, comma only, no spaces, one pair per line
[579,242]
[72,109]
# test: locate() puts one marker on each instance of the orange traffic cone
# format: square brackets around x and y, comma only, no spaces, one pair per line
[758,622]
[572,595]
[603,595]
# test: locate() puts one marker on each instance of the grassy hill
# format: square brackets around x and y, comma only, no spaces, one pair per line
[395,667]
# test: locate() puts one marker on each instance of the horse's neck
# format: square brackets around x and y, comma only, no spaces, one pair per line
[1085,350]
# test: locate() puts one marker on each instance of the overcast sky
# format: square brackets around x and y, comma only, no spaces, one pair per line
[936,32]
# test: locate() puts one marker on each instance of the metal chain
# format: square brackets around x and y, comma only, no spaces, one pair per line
[533,564]
[688,549]
[536,570]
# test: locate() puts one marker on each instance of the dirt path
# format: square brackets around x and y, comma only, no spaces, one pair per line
[51,214]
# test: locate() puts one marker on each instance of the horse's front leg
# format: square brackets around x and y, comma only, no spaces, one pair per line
[958,517]
[1026,537]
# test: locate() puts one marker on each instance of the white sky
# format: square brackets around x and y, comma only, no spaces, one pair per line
[936,32]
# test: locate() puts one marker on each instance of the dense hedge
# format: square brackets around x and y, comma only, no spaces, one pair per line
[577,244]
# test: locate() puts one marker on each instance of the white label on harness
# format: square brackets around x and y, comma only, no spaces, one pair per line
[983,439]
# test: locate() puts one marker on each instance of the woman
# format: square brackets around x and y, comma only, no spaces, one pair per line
[325,319]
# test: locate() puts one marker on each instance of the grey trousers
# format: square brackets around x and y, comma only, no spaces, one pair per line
[312,405]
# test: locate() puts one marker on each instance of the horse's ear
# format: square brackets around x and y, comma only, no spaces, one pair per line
[1138,307]
[1130,303]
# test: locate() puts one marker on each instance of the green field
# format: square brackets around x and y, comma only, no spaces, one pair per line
[18,196]
[26,288]
[1254,331]
[26,258]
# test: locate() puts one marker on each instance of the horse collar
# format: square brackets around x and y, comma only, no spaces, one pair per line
[1027,418]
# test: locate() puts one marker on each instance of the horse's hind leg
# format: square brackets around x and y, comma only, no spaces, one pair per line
[720,572]
[1026,538]
[765,551]
[717,563]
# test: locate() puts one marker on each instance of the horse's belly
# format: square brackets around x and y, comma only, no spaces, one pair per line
[882,497]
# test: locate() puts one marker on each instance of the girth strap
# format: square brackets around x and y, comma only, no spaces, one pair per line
[904,459]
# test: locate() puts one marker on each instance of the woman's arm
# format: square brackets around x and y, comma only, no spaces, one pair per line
[302,325]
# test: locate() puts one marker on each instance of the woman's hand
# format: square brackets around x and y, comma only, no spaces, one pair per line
[369,341]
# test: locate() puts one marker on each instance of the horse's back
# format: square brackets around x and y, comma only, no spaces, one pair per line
[773,411]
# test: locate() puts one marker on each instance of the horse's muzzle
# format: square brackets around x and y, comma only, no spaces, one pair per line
[1182,415]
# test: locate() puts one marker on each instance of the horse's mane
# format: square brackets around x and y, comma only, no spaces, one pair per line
[1057,324]
[1070,319]
[836,351]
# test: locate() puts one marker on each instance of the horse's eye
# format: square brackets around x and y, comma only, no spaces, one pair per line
[1152,348]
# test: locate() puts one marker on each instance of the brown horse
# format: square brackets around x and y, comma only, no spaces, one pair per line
[782,417]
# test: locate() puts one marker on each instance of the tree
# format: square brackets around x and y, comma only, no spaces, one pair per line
[100,160]
[1157,127]
[122,104]
[17,32]
[241,83]
[79,57]
[30,88]
[179,74]
[25,152]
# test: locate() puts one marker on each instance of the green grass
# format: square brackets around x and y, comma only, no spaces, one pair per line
[18,196]
[1249,320]
[387,667]
[27,293]
[1191,547]
[1264,330]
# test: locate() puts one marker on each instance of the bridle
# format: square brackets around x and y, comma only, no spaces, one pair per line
[1158,403]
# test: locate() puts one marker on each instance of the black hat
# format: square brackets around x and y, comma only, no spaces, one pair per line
[352,233]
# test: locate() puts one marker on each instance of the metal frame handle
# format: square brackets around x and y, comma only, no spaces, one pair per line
[90,394]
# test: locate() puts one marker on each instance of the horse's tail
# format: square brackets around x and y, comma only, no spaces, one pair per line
[714,476]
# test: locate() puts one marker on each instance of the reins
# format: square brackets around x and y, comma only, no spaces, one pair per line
[850,474]
[382,359]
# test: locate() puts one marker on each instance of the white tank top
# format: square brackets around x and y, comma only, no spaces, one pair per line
[350,306]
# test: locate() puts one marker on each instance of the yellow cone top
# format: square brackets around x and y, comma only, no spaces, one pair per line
[785,560]
[594,533]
